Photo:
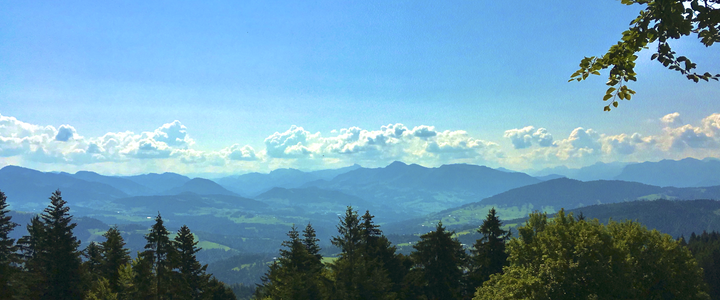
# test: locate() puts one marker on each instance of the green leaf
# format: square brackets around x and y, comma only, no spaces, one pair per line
[615,104]
[607,97]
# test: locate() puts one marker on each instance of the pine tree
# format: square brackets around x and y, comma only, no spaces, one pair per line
[58,255]
[439,259]
[192,278]
[114,257]
[8,249]
[489,254]
[159,253]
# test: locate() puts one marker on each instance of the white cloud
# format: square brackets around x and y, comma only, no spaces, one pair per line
[170,147]
[524,137]
[244,153]
[672,119]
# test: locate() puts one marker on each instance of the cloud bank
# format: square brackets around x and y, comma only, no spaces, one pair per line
[170,147]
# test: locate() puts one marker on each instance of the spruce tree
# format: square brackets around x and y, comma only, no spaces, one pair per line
[439,260]
[33,276]
[58,254]
[294,275]
[115,256]
[143,279]
[310,241]
[489,254]
[378,248]
[357,274]
[93,253]
[192,278]
[8,249]
[159,253]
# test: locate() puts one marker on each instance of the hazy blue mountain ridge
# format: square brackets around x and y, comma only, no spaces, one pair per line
[200,186]
[126,185]
[552,195]
[597,171]
[29,189]
[688,172]
[159,182]
[415,190]
[257,183]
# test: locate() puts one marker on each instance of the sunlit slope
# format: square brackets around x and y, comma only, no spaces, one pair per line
[550,196]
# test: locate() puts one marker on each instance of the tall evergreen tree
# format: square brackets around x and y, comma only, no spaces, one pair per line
[358,275]
[143,279]
[192,278]
[379,249]
[58,254]
[294,275]
[8,249]
[93,253]
[33,276]
[489,254]
[439,260]
[160,252]
[115,256]
[310,241]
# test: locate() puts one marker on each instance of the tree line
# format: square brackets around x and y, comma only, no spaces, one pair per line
[564,257]
[48,264]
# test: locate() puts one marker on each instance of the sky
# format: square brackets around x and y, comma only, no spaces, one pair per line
[231,87]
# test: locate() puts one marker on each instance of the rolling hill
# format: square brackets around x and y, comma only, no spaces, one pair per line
[550,196]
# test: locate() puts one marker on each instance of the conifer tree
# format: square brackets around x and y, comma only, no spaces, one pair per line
[114,257]
[379,249]
[143,279]
[191,275]
[8,249]
[489,254]
[160,253]
[57,254]
[217,290]
[439,259]
[294,275]
[310,241]
[93,253]
[33,275]
[357,274]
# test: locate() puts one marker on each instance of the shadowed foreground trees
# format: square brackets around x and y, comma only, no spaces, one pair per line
[46,264]
[569,259]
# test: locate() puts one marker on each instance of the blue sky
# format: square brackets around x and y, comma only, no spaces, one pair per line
[231,87]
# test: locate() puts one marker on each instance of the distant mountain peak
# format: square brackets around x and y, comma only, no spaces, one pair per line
[396,164]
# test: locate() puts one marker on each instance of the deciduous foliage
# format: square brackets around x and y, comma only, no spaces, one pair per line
[660,21]
[569,259]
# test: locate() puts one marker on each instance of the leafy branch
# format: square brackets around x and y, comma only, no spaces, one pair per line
[661,21]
